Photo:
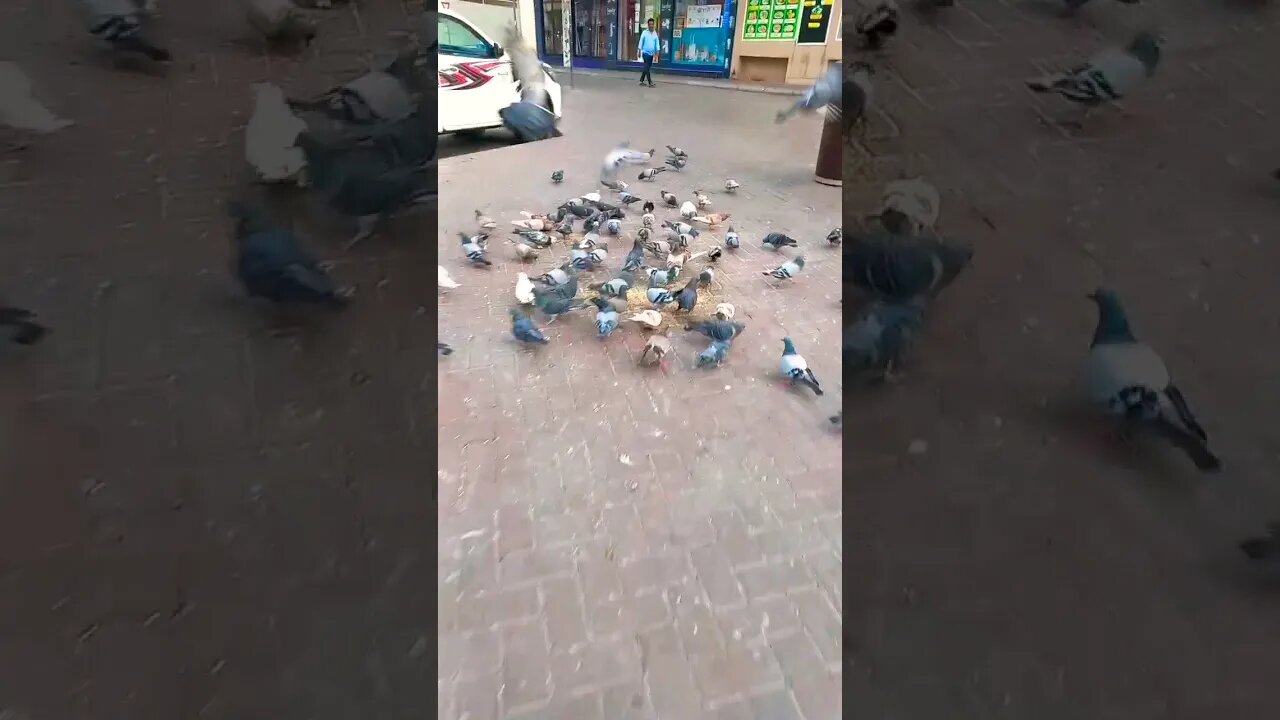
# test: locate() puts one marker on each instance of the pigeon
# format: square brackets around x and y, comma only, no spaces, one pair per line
[19,109]
[706,277]
[687,298]
[444,280]
[623,155]
[634,258]
[443,349]
[677,152]
[118,23]
[732,240]
[688,210]
[701,199]
[1128,379]
[650,173]
[565,228]
[655,349]
[720,330]
[588,241]
[592,224]
[794,368]
[659,296]
[724,311]
[531,118]
[714,253]
[378,96]
[270,264]
[825,91]
[524,289]
[617,287]
[677,163]
[658,248]
[677,260]
[269,138]
[606,318]
[627,198]
[523,329]
[559,276]
[524,252]
[536,238]
[21,326]
[651,318]
[369,187]
[280,21]
[1264,548]
[557,176]
[591,197]
[643,234]
[533,223]
[778,241]
[554,304]
[787,269]
[879,339]
[909,206]
[669,199]
[711,219]
[731,185]
[678,228]
[613,226]
[682,241]
[898,268]
[878,23]
[648,207]
[1110,75]
[484,222]
[473,248]
[714,355]
[836,236]
[857,96]
[578,209]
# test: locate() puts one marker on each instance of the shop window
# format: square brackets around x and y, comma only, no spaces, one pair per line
[634,15]
[593,27]
[552,27]
[700,34]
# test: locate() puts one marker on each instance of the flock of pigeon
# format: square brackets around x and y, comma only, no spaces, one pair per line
[645,290]
[904,264]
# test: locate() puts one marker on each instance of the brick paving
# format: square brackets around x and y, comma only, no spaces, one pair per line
[1021,568]
[616,542]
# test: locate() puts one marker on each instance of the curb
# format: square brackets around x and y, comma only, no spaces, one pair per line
[563,73]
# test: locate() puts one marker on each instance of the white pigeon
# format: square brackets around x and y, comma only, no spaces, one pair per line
[731,185]
[444,280]
[688,210]
[724,311]
[652,318]
[524,289]
[269,138]
[592,197]
[19,108]
[619,156]
[910,206]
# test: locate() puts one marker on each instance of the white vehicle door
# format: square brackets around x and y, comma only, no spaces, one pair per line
[474,82]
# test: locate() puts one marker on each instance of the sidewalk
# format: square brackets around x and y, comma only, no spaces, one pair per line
[670,78]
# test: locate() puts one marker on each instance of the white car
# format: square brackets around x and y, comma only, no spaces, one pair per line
[475,78]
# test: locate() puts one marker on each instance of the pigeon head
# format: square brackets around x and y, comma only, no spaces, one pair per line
[1113,323]
[788,347]
[1146,47]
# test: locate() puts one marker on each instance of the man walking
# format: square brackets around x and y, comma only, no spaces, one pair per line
[649,46]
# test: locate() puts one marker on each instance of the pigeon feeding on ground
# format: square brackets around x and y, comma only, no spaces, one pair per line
[720,330]
[280,21]
[724,311]
[796,369]
[909,206]
[606,318]
[880,338]
[563,275]
[669,198]
[384,95]
[778,241]
[687,298]
[119,24]
[19,109]
[617,287]
[532,117]
[731,185]
[557,176]
[714,355]
[21,326]
[634,258]
[898,268]
[648,174]
[836,236]
[677,152]
[1110,75]
[524,289]
[523,329]
[656,349]
[473,248]
[677,163]
[659,296]
[688,210]
[826,91]
[878,23]
[554,304]
[1128,379]
[732,240]
[787,269]
[701,199]
[270,264]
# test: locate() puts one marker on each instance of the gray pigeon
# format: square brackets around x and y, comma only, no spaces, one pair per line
[382,95]
[796,369]
[1110,75]
[119,24]
[721,330]
[270,263]
[473,249]
[557,176]
[532,117]
[825,91]
[687,298]
[879,339]
[659,297]
[898,268]
[1129,380]
[714,355]
[788,269]
[777,240]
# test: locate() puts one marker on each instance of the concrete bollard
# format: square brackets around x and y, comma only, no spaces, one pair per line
[829,168]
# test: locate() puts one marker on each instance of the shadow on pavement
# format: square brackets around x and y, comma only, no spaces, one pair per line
[454,144]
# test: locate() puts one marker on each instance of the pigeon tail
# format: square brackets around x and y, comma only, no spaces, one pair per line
[1195,448]
[801,379]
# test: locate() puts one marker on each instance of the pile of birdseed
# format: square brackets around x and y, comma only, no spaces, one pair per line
[672,316]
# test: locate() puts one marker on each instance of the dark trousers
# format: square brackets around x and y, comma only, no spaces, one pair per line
[646,75]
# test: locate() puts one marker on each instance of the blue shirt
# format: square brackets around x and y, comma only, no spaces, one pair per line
[649,44]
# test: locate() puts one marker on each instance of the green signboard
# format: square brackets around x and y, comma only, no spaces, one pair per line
[814,20]
[771,20]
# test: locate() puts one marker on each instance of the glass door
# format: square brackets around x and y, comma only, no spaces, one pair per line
[634,13]
[593,28]
[552,36]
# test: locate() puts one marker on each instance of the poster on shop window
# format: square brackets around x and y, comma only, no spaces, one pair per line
[815,18]
[698,37]
[771,20]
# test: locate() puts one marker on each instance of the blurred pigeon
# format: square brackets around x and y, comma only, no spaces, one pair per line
[648,207]
[618,286]
[731,185]
[659,296]
[559,276]
[714,253]
[270,137]
[879,339]
[565,228]
[591,197]
[687,298]
[668,198]
[536,238]
[724,311]
[858,96]
[606,318]
[659,278]
[650,173]
[473,249]
[898,268]
[635,257]
[701,199]
[531,118]
[554,305]
[658,248]
[1264,548]
[825,91]
[795,368]
[706,277]
[1129,380]
[678,228]
[443,349]
[711,219]
[613,226]
[677,163]
[524,252]
[627,198]
[1110,75]
[836,236]
[557,176]
[279,20]
[732,240]
[720,330]
[118,23]
[19,109]
[588,241]
[909,206]
[677,152]
[651,318]
[643,234]
[688,210]
[523,329]
[21,326]
[524,289]
[878,23]
[656,349]
[381,95]
[787,269]
[484,222]
[778,240]
[579,209]
[714,355]
[444,280]
[620,156]
[270,264]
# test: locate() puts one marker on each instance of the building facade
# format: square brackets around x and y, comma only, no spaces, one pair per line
[786,41]
[697,35]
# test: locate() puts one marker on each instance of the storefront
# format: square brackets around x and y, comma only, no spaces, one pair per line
[697,35]
[787,41]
